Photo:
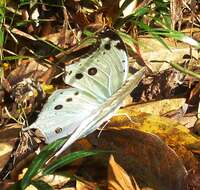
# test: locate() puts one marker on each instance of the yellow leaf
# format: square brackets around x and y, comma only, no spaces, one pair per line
[49,89]
[6,66]
[169,130]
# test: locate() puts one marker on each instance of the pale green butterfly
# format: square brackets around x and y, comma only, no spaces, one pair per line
[100,83]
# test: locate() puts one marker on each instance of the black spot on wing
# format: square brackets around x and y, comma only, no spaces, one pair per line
[79,76]
[58,130]
[76,93]
[69,73]
[58,107]
[68,99]
[107,46]
[92,71]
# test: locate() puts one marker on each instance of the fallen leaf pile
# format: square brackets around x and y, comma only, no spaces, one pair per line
[152,142]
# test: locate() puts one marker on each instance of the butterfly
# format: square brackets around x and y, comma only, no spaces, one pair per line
[99,83]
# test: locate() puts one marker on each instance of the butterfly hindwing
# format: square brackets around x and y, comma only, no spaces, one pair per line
[102,72]
[63,113]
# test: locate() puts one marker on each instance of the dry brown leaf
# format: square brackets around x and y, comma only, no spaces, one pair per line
[31,187]
[55,180]
[8,138]
[158,57]
[85,185]
[30,68]
[168,107]
[142,155]
[176,8]
[110,8]
[118,179]
[159,107]
[5,150]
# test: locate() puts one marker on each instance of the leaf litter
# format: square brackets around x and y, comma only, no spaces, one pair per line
[153,150]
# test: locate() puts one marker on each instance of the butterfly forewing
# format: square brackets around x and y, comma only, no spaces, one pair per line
[102,72]
[105,111]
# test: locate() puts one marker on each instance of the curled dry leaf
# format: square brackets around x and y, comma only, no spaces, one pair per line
[142,155]
[118,178]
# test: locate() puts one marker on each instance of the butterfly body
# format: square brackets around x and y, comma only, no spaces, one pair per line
[100,83]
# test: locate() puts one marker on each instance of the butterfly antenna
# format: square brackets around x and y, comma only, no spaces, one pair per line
[25,145]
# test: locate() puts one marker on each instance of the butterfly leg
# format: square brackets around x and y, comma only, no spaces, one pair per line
[102,128]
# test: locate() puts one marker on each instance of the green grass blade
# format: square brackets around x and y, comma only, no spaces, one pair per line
[127,39]
[39,161]
[15,57]
[185,71]
[2,18]
[64,160]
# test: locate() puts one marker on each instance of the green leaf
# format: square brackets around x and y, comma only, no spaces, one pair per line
[151,31]
[173,34]
[182,37]
[132,17]
[41,185]
[127,39]
[64,160]
[39,161]
[2,12]
[88,32]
